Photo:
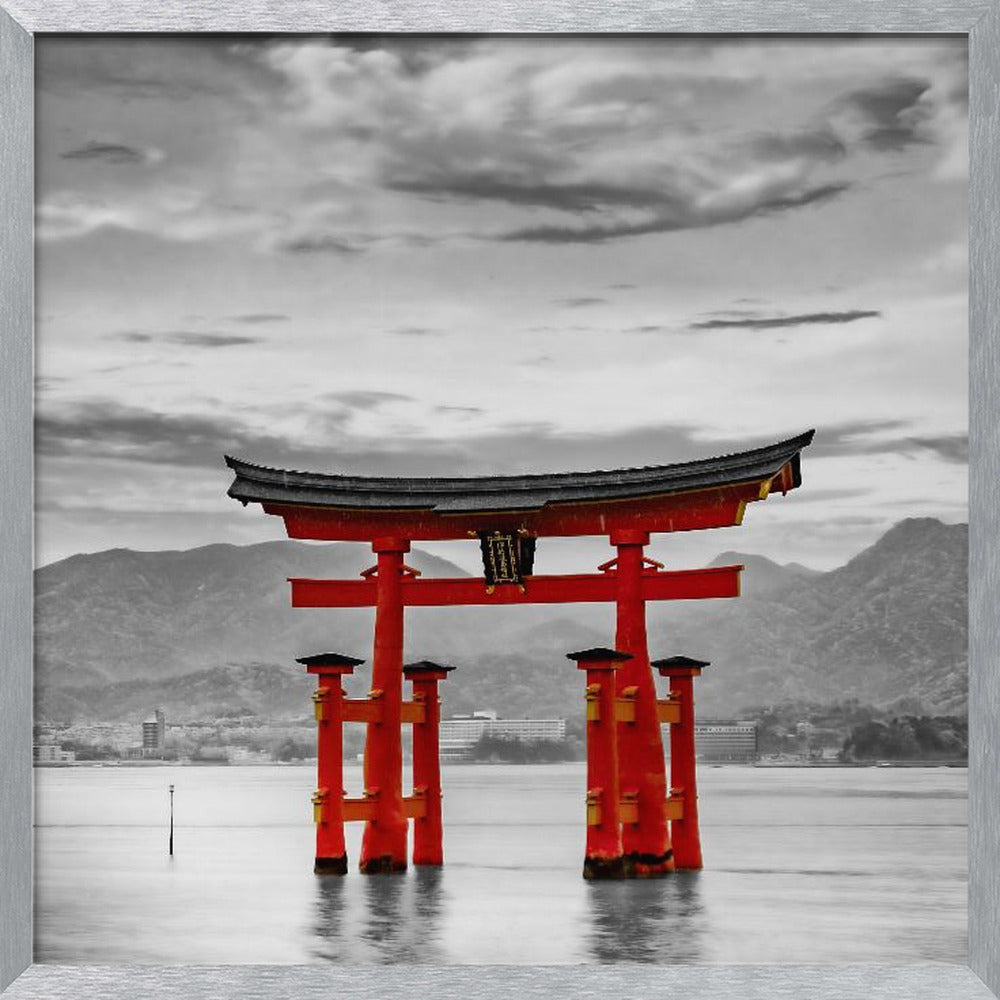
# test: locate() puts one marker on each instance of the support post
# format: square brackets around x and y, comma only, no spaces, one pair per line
[641,766]
[684,831]
[427,830]
[603,856]
[383,845]
[328,799]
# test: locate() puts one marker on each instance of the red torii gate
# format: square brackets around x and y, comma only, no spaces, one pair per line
[630,818]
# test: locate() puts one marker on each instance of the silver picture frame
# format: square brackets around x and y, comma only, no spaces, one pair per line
[20,20]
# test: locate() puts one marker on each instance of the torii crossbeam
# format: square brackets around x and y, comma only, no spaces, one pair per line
[508,514]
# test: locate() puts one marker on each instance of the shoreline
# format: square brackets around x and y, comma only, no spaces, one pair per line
[763,765]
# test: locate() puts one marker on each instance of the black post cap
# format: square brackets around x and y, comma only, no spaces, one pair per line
[598,654]
[424,667]
[328,660]
[680,661]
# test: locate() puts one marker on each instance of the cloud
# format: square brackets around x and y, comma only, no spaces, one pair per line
[187,338]
[147,67]
[319,243]
[116,154]
[558,142]
[893,112]
[483,186]
[103,429]
[752,322]
[879,437]
[952,448]
[579,303]
[360,399]
[165,210]
[255,319]
[675,214]
[819,145]
[417,331]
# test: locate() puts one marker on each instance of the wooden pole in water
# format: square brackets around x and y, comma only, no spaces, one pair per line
[427,835]
[603,857]
[171,821]
[641,769]
[684,832]
[328,800]
[384,841]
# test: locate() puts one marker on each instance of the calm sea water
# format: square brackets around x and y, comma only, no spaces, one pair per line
[802,865]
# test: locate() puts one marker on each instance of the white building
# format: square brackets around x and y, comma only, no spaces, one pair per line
[51,753]
[726,741]
[461,732]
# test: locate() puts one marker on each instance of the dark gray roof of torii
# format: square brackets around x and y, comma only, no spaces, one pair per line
[260,484]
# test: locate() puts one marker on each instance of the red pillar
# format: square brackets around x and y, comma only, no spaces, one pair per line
[683,767]
[383,846]
[603,856]
[427,836]
[328,800]
[641,766]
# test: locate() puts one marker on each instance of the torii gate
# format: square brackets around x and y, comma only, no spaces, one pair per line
[630,816]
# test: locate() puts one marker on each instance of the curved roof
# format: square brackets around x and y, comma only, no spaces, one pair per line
[260,484]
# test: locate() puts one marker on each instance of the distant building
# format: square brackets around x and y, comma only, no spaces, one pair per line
[803,735]
[724,741]
[461,733]
[154,731]
[246,756]
[50,753]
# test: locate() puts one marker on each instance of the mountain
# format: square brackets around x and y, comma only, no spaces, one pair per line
[209,631]
[120,614]
[890,624]
[764,576]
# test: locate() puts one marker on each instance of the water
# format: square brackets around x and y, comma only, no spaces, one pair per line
[802,865]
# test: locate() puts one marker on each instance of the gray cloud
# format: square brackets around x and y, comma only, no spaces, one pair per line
[320,243]
[892,112]
[675,214]
[850,437]
[880,437]
[114,153]
[103,430]
[579,303]
[145,67]
[187,338]
[817,144]
[752,322]
[952,448]
[448,181]
[417,331]
[255,319]
[459,409]
[360,399]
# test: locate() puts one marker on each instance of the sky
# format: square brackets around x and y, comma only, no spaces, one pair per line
[468,255]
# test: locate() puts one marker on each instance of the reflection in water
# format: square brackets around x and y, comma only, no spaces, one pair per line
[383,924]
[427,884]
[646,920]
[329,924]
[379,918]
[812,865]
